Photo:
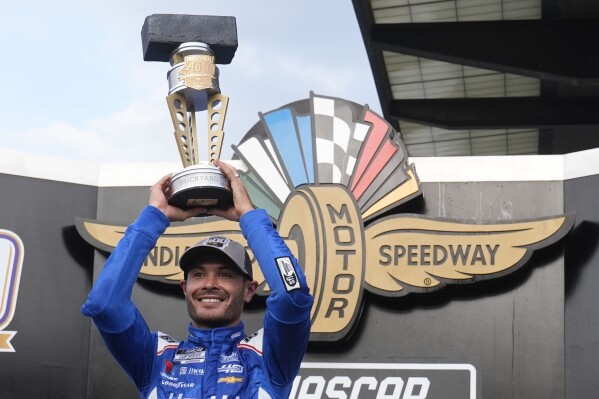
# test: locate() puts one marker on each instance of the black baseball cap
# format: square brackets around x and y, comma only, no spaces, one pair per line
[219,245]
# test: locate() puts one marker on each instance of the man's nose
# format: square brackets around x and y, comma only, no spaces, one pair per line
[211,281]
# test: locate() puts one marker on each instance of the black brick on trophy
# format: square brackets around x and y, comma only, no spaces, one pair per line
[161,34]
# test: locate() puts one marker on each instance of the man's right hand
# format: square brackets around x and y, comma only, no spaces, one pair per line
[241,198]
[159,193]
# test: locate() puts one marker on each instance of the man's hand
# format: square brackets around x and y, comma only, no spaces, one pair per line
[241,199]
[159,193]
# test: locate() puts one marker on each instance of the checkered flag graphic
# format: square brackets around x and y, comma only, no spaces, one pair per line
[337,141]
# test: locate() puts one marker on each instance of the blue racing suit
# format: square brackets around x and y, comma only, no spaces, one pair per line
[221,363]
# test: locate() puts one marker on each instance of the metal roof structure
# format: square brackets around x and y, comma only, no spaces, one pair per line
[486,77]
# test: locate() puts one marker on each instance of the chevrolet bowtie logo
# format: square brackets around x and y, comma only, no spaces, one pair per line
[230,380]
[321,201]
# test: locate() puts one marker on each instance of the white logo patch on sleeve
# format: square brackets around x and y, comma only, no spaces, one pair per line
[253,342]
[165,342]
[288,274]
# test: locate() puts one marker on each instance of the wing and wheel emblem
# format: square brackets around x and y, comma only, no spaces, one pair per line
[325,170]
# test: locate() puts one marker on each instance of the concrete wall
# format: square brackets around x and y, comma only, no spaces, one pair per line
[581,278]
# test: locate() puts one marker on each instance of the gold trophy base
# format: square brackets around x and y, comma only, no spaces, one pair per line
[202,185]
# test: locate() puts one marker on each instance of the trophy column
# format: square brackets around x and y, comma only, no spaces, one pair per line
[193,45]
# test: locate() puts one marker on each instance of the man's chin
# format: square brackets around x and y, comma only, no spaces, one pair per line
[209,319]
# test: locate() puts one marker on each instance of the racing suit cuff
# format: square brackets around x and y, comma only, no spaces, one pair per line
[151,221]
[253,220]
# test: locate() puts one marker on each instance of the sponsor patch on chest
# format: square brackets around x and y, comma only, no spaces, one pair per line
[230,368]
[233,357]
[190,355]
[184,370]
[230,380]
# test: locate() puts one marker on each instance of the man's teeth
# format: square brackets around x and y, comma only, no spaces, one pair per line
[210,300]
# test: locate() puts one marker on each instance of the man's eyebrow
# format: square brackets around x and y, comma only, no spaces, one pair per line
[223,266]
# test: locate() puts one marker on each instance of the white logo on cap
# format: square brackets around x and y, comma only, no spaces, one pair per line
[219,242]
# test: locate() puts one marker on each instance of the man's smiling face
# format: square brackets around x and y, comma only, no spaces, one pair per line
[215,292]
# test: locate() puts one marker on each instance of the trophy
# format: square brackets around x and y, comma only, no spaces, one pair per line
[193,45]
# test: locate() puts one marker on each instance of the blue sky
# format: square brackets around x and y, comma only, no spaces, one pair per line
[75,84]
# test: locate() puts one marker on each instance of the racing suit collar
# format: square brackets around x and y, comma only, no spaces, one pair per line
[216,335]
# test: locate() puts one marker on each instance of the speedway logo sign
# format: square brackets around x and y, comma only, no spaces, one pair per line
[325,170]
[11,263]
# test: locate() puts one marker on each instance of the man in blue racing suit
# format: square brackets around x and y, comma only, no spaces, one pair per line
[217,360]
